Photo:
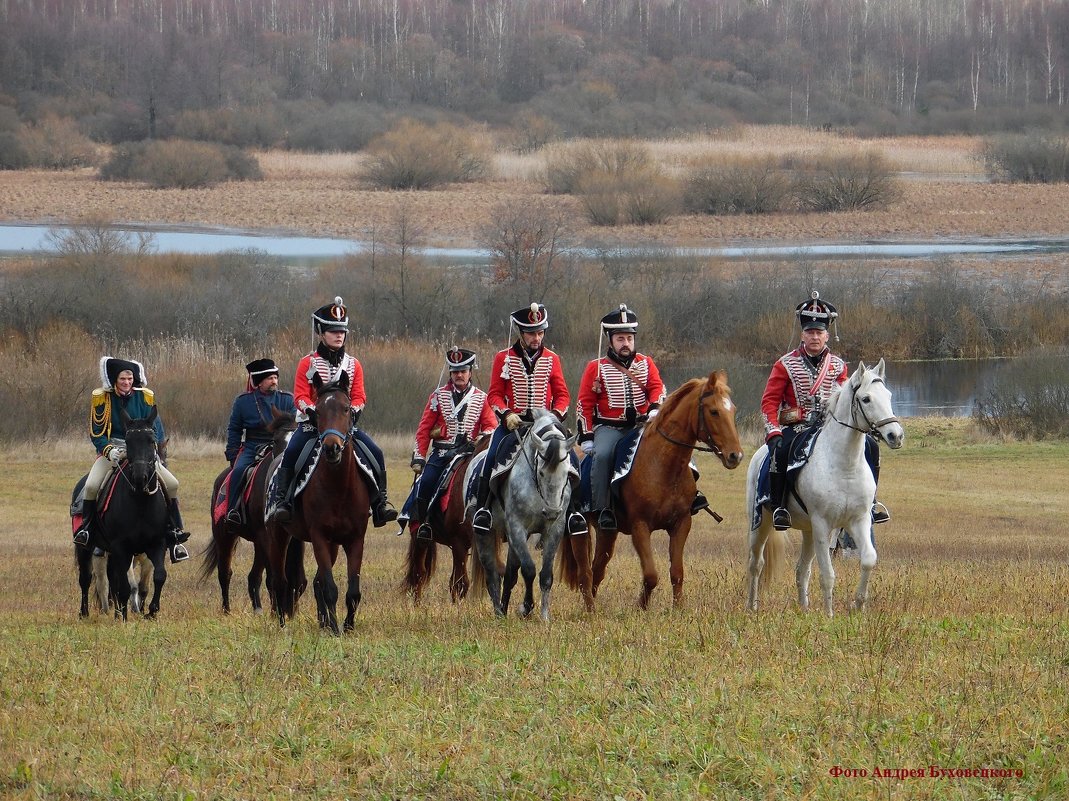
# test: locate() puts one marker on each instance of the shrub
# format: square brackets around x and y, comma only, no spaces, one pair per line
[599,192]
[650,199]
[342,127]
[179,164]
[567,165]
[240,127]
[55,143]
[13,155]
[851,182]
[415,155]
[744,186]
[533,131]
[1027,158]
[1030,401]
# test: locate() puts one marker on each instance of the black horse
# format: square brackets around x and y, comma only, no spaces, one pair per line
[134,520]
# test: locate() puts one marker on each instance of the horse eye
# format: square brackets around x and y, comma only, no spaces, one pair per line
[866,399]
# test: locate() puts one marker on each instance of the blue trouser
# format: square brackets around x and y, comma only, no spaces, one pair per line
[245,459]
[416,507]
[491,451]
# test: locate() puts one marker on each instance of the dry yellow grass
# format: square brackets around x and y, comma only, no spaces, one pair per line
[319,194]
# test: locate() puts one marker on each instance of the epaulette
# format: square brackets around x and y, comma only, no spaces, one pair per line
[148,395]
[98,395]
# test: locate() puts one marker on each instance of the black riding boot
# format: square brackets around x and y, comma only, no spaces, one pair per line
[84,535]
[872,456]
[282,495]
[781,518]
[700,502]
[176,533]
[382,512]
[483,520]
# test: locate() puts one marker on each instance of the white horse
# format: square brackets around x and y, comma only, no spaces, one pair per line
[835,486]
[530,508]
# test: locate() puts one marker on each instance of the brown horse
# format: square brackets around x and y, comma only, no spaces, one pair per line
[331,514]
[454,532]
[219,555]
[658,492]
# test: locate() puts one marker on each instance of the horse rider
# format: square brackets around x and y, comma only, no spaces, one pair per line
[618,392]
[456,413]
[247,430]
[525,376]
[124,389]
[330,323]
[798,387]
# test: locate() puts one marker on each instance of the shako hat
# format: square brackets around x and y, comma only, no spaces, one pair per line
[621,321]
[259,369]
[332,317]
[459,359]
[110,367]
[531,318]
[815,313]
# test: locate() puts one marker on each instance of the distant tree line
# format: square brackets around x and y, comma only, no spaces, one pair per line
[325,74]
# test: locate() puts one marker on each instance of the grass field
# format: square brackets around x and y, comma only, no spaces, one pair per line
[961,663]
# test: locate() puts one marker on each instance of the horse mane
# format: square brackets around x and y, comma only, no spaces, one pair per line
[677,395]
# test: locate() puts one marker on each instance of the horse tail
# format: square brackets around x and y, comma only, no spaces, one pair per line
[775,556]
[295,577]
[567,564]
[209,561]
[420,562]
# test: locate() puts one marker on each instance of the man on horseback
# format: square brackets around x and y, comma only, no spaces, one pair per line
[331,325]
[524,377]
[124,390]
[247,432]
[456,414]
[617,392]
[798,386]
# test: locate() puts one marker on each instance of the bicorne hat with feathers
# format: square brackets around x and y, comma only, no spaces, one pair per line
[110,367]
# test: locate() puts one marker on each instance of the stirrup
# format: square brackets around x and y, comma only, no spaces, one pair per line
[81,536]
[781,519]
[178,553]
[577,524]
[607,521]
[234,517]
[879,513]
[482,520]
[382,514]
[425,533]
[700,502]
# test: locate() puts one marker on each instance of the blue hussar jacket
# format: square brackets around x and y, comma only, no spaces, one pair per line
[251,415]
[105,418]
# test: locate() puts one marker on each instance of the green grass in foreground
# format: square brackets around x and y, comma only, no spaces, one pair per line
[961,662]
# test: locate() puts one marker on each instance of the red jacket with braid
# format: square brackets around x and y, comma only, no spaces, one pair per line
[795,381]
[518,383]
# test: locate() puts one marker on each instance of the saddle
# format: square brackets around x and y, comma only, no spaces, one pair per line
[797,451]
[306,464]
[243,486]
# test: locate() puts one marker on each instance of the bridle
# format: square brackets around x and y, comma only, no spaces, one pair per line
[153,486]
[704,433]
[855,410]
[343,435]
[536,431]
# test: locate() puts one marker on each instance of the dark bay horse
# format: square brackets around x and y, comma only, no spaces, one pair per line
[331,514]
[658,492]
[218,557]
[454,532]
[135,518]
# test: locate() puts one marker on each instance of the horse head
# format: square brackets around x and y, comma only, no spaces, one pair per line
[549,439]
[870,405]
[281,427]
[141,453]
[333,415]
[716,420]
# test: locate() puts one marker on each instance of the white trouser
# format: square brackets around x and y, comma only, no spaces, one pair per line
[102,466]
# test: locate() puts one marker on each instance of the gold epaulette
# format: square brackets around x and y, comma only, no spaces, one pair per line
[100,414]
[148,395]
[98,395]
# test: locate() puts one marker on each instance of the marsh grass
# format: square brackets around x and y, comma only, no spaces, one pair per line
[960,662]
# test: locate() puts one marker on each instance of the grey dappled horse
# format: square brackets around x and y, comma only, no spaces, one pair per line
[533,500]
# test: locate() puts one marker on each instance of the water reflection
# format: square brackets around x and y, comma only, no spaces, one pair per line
[941,388]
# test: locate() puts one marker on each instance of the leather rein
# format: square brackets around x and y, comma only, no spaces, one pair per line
[855,404]
[704,433]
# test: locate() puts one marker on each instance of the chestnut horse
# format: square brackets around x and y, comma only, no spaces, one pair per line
[658,492]
[331,514]
[219,555]
[454,532]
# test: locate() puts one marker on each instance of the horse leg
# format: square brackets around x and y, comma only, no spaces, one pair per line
[512,570]
[256,574]
[677,541]
[528,569]
[487,553]
[224,542]
[603,550]
[458,581]
[640,538]
[326,590]
[549,555]
[102,590]
[159,578]
[804,570]
[277,542]
[118,563]
[821,541]
[85,576]
[868,561]
[758,538]
[580,545]
[354,558]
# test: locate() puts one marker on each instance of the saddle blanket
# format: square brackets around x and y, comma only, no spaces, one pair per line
[798,452]
[306,465]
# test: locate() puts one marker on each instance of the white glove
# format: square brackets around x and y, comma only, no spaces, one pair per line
[587,445]
[512,421]
[116,455]
[652,413]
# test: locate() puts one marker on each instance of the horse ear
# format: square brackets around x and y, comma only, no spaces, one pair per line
[717,377]
[880,368]
[152,414]
[343,380]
